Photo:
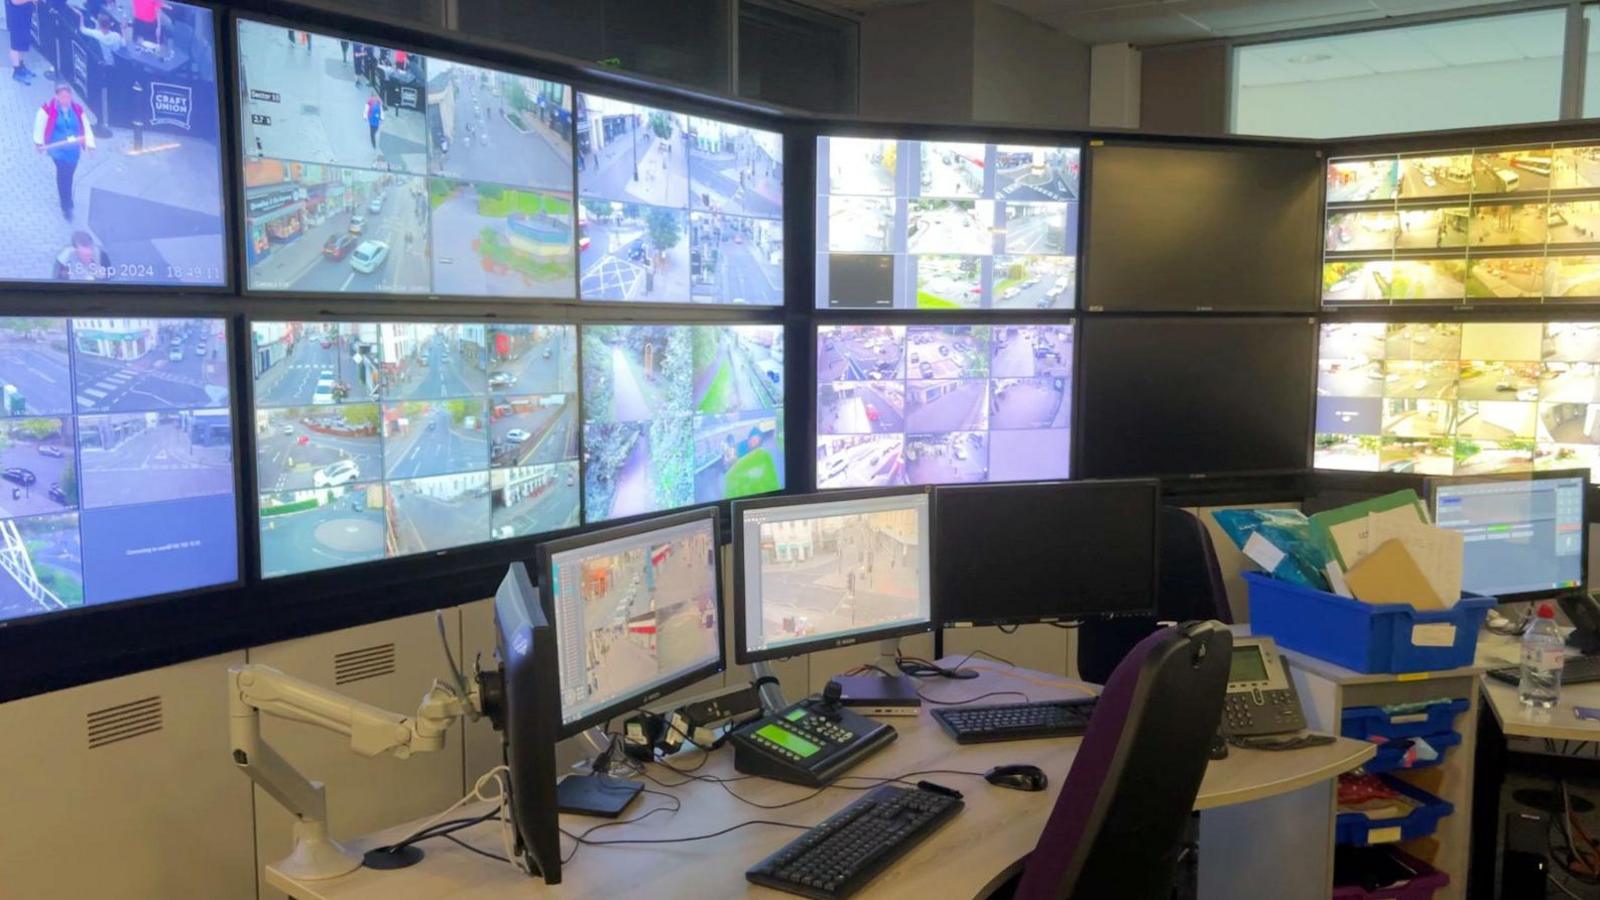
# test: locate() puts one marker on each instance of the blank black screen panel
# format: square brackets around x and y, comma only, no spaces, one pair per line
[1015,553]
[1185,228]
[1171,396]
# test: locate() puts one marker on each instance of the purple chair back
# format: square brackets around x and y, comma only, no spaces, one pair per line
[1118,824]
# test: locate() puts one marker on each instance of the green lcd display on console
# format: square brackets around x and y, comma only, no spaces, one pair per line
[788,740]
[796,715]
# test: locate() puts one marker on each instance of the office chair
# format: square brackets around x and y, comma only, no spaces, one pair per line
[1118,825]
[1189,588]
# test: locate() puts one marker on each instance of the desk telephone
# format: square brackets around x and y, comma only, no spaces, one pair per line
[811,742]
[1261,698]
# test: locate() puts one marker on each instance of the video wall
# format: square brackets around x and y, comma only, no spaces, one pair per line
[380,440]
[945,225]
[676,208]
[117,166]
[372,170]
[1452,398]
[116,461]
[680,414]
[1464,226]
[941,404]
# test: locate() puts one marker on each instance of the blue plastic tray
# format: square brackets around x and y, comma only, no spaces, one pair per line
[1391,757]
[1357,830]
[1362,722]
[1365,637]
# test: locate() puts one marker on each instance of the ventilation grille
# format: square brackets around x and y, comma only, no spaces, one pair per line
[359,665]
[119,723]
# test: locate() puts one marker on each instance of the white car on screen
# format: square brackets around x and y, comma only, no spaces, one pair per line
[342,472]
[369,256]
[324,392]
[517,436]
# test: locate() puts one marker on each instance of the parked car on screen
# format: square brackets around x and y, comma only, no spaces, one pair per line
[342,472]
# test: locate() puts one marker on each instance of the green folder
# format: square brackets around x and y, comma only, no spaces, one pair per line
[1334,526]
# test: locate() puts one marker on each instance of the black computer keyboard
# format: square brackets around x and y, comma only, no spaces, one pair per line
[1576,670]
[1016,721]
[839,856]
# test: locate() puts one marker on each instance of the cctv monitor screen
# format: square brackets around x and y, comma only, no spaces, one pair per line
[1009,554]
[676,208]
[1522,537]
[1480,225]
[938,404]
[116,461]
[381,440]
[1185,228]
[680,414]
[821,572]
[1195,396]
[945,225]
[635,614]
[115,151]
[1458,398]
[369,169]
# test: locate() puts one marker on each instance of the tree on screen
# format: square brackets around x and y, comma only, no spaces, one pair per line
[665,231]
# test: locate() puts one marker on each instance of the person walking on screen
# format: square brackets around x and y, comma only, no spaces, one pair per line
[61,130]
[373,113]
[19,25]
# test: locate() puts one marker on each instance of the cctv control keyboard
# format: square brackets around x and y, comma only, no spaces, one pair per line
[839,856]
[1576,670]
[1016,721]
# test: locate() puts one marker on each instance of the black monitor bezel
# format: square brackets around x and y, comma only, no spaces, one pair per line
[621,532]
[941,568]
[537,833]
[1430,496]
[742,654]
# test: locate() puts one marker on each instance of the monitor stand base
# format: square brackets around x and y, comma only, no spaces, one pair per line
[595,795]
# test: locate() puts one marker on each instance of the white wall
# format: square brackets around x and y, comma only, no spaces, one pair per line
[1026,73]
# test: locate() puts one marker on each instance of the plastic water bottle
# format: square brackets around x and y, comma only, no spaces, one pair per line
[1543,653]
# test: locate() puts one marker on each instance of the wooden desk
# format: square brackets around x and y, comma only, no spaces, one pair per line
[1508,718]
[976,851]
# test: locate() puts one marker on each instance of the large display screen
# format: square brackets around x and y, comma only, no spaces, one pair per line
[1484,225]
[680,414]
[113,146]
[936,404]
[1254,210]
[945,225]
[677,209]
[1458,398]
[372,170]
[116,461]
[379,440]
[1195,395]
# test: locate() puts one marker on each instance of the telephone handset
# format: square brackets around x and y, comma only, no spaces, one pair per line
[1261,698]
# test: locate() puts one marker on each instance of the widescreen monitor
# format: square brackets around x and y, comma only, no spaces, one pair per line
[114,151]
[829,570]
[940,404]
[945,225]
[377,440]
[370,169]
[1481,225]
[1523,537]
[1195,396]
[680,414]
[1010,554]
[676,208]
[525,642]
[637,611]
[1458,398]
[1194,227]
[116,461]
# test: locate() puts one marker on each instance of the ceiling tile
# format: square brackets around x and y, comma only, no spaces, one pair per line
[1134,25]
[1263,15]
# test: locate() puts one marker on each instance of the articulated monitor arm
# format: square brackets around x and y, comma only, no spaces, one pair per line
[255,689]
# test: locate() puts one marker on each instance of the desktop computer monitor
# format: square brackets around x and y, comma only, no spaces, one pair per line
[524,713]
[637,613]
[828,570]
[1524,535]
[1009,554]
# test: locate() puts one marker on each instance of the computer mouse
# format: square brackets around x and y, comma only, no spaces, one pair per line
[1018,777]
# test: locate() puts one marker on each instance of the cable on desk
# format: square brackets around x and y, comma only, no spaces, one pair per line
[963,702]
[466,846]
[682,840]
